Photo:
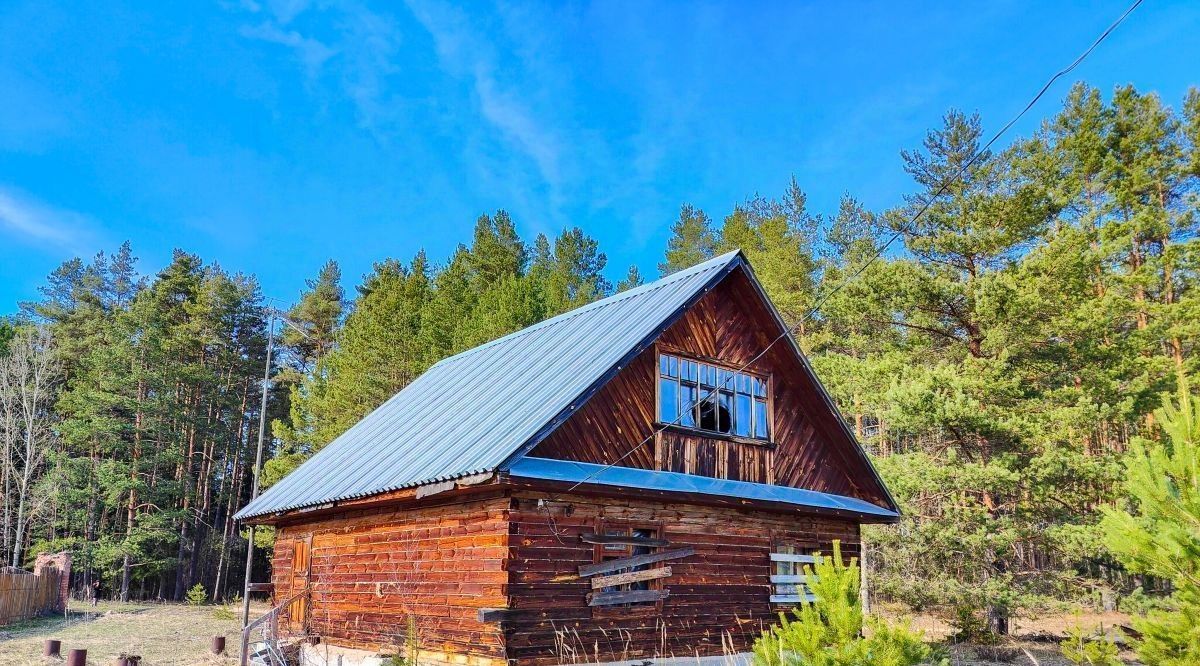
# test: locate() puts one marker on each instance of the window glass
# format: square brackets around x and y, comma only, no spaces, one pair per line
[744,383]
[668,400]
[743,415]
[760,418]
[689,370]
[688,398]
[709,397]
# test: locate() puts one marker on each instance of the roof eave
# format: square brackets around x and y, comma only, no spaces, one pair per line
[566,477]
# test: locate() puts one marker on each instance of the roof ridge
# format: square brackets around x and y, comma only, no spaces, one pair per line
[596,305]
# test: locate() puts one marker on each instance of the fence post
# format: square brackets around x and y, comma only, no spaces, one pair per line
[245,646]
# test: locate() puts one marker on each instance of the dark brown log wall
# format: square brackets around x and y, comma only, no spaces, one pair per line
[372,568]
[719,594]
[730,324]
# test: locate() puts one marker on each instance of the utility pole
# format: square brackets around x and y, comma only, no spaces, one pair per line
[262,426]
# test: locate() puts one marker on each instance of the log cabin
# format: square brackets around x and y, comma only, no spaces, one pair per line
[641,477]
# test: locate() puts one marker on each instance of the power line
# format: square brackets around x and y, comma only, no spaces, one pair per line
[715,392]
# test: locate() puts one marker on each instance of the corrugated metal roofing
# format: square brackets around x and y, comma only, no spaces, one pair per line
[629,477]
[470,413]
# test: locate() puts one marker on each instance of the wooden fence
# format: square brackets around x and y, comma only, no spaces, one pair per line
[25,595]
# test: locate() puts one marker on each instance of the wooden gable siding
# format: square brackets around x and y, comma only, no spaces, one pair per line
[369,569]
[724,459]
[721,593]
[729,324]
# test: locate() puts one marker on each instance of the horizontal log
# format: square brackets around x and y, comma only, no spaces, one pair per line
[792,598]
[495,614]
[788,557]
[629,597]
[620,540]
[630,577]
[262,587]
[635,561]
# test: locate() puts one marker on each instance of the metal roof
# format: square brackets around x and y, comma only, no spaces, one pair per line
[643,479]
[474,412]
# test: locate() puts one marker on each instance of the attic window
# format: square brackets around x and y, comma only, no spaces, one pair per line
[708,397]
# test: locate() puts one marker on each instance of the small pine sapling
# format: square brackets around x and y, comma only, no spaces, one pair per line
[196,596]
[1083,649]
[829,631]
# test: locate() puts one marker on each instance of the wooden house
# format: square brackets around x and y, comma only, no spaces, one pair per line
[643,476]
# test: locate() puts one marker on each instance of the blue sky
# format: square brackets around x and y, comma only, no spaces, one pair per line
[270,136]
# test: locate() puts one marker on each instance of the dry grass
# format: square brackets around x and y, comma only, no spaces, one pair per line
[163,634]
[1034,640]
[178,635]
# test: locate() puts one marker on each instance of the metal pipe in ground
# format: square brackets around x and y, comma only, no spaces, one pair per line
[77,658]
[218,645]
[53,648]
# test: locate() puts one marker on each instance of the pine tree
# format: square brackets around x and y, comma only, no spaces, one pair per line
[1157,535]
[633,278]
[829,630]
[692,240]
[318,312]
[573,275]
[957,295]
[377,351]
[497,252]
[776,238]
[510,305]
[7,331]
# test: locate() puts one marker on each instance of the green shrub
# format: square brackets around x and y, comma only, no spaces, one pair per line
[224,613]
[970,627]
[1083,649]
[1139,602]
[829,630]
[196,596]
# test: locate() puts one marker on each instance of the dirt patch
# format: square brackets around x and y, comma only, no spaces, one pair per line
[166,634]
[1034,640]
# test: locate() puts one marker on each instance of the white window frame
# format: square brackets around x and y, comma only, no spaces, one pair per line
[790,588]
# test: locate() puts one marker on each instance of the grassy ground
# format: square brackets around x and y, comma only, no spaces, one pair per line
[178,635]
[166,634]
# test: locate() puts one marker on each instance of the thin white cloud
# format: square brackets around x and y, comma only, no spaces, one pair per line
[504,111]
[312,52]
[344,43]
[26,220]
[470,54]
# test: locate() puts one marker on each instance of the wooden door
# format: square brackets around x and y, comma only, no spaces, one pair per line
[301,564]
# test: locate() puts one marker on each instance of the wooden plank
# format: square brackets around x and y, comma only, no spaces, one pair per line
[623,540]
[635,561]
[629,597]
[494,614]
[788,557]
[792,598]
[780,578]
[630,577]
